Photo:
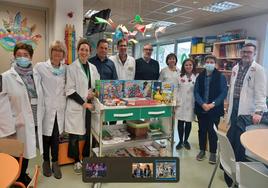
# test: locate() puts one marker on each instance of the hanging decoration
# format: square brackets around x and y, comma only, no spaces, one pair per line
[70,43]
[16,30]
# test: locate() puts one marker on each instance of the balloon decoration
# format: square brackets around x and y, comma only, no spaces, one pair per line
[70,43]
[16,30]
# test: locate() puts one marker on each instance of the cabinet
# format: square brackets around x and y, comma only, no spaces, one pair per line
[228,54]
[124,113]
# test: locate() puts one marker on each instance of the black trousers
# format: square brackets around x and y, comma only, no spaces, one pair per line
[24,167]
[205,124]
[184,131]
[51,142]
[73,149]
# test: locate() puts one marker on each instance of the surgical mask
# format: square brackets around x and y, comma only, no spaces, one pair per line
[23,61]
[58,71]
[210,67]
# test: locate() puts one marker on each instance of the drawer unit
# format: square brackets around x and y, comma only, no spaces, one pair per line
[122,114]
[155,112]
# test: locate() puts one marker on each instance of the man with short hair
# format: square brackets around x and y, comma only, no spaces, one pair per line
[104,65]
[146,67]
[247,96]
[125,64]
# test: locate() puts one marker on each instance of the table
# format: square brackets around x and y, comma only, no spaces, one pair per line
[256,141]
[9,170]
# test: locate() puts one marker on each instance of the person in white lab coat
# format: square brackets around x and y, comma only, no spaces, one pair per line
[124,64]
[185,102]
[170,73]
[247,96]
[19,86]
[50,78]
[81,76]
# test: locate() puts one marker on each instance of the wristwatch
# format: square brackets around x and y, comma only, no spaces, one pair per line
[213,103]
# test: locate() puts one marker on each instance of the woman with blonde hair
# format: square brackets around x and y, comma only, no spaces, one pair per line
[50,78]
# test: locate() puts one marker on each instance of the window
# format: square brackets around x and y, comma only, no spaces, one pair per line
[154,54]
[183,51]
[163,51]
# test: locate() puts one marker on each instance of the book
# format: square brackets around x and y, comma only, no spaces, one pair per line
[137,88]
[163,92]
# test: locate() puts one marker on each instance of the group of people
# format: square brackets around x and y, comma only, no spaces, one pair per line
[39,102]
[138,172]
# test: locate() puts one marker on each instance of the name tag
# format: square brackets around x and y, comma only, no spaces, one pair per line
[34,101]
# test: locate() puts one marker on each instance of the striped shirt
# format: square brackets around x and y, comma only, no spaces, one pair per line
[242,71]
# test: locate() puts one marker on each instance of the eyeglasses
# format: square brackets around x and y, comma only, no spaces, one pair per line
[247,52]
[148,49]
[122,45]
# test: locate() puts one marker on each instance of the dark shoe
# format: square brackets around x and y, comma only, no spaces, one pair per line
[187,145]
[25,179]
[212,158]
[179,146]
[47,169]
[56,170]
[201,155]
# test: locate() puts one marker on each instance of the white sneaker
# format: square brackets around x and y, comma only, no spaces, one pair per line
[78,168]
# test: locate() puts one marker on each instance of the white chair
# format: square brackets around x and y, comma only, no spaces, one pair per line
[252,174]
[226,157]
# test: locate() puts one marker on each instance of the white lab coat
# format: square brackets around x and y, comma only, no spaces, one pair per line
[124,71]
[185,99]
[77,82]
[51,94]
[253,92]
[7,125]
[15,89]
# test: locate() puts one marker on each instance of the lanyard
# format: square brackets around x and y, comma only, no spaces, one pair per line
[87,72]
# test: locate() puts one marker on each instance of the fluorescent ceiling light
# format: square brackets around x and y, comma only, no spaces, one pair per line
[89,13]
[148,35]
[220,6]
[171,11]
[164,23]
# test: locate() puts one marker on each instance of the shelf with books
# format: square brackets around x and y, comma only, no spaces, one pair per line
[228,54]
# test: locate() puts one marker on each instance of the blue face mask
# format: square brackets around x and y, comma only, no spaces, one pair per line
[23,61]
[58,71]
[209,67]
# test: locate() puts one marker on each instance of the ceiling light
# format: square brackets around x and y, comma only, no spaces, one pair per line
[147,35]
[164,23]
[171,11]
[89,13]
[195,2]
[220,6]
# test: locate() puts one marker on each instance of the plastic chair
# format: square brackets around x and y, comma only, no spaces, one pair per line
[14,148]
[253,174]
[33,183]
[226,158]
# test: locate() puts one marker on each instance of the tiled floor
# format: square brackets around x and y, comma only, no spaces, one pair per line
[193,174]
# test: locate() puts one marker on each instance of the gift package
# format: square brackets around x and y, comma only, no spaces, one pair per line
[134,92]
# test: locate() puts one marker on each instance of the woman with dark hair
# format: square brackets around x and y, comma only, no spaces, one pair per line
[22,92]
[81,76]
[171,72]
[185,102]
[147,172]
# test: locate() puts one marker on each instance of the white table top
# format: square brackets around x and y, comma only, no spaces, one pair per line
[256,141]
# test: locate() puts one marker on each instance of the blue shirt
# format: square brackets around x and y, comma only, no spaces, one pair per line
[105,68]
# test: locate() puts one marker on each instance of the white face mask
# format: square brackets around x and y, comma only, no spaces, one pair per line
[209,67]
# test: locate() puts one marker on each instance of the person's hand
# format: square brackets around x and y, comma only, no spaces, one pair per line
[256,118]
[90,94]
[211,105]
[88,106]
[205,107]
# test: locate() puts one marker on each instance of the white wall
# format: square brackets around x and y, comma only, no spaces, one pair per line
[62,7]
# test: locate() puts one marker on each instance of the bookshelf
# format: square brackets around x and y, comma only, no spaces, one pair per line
[228,54]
